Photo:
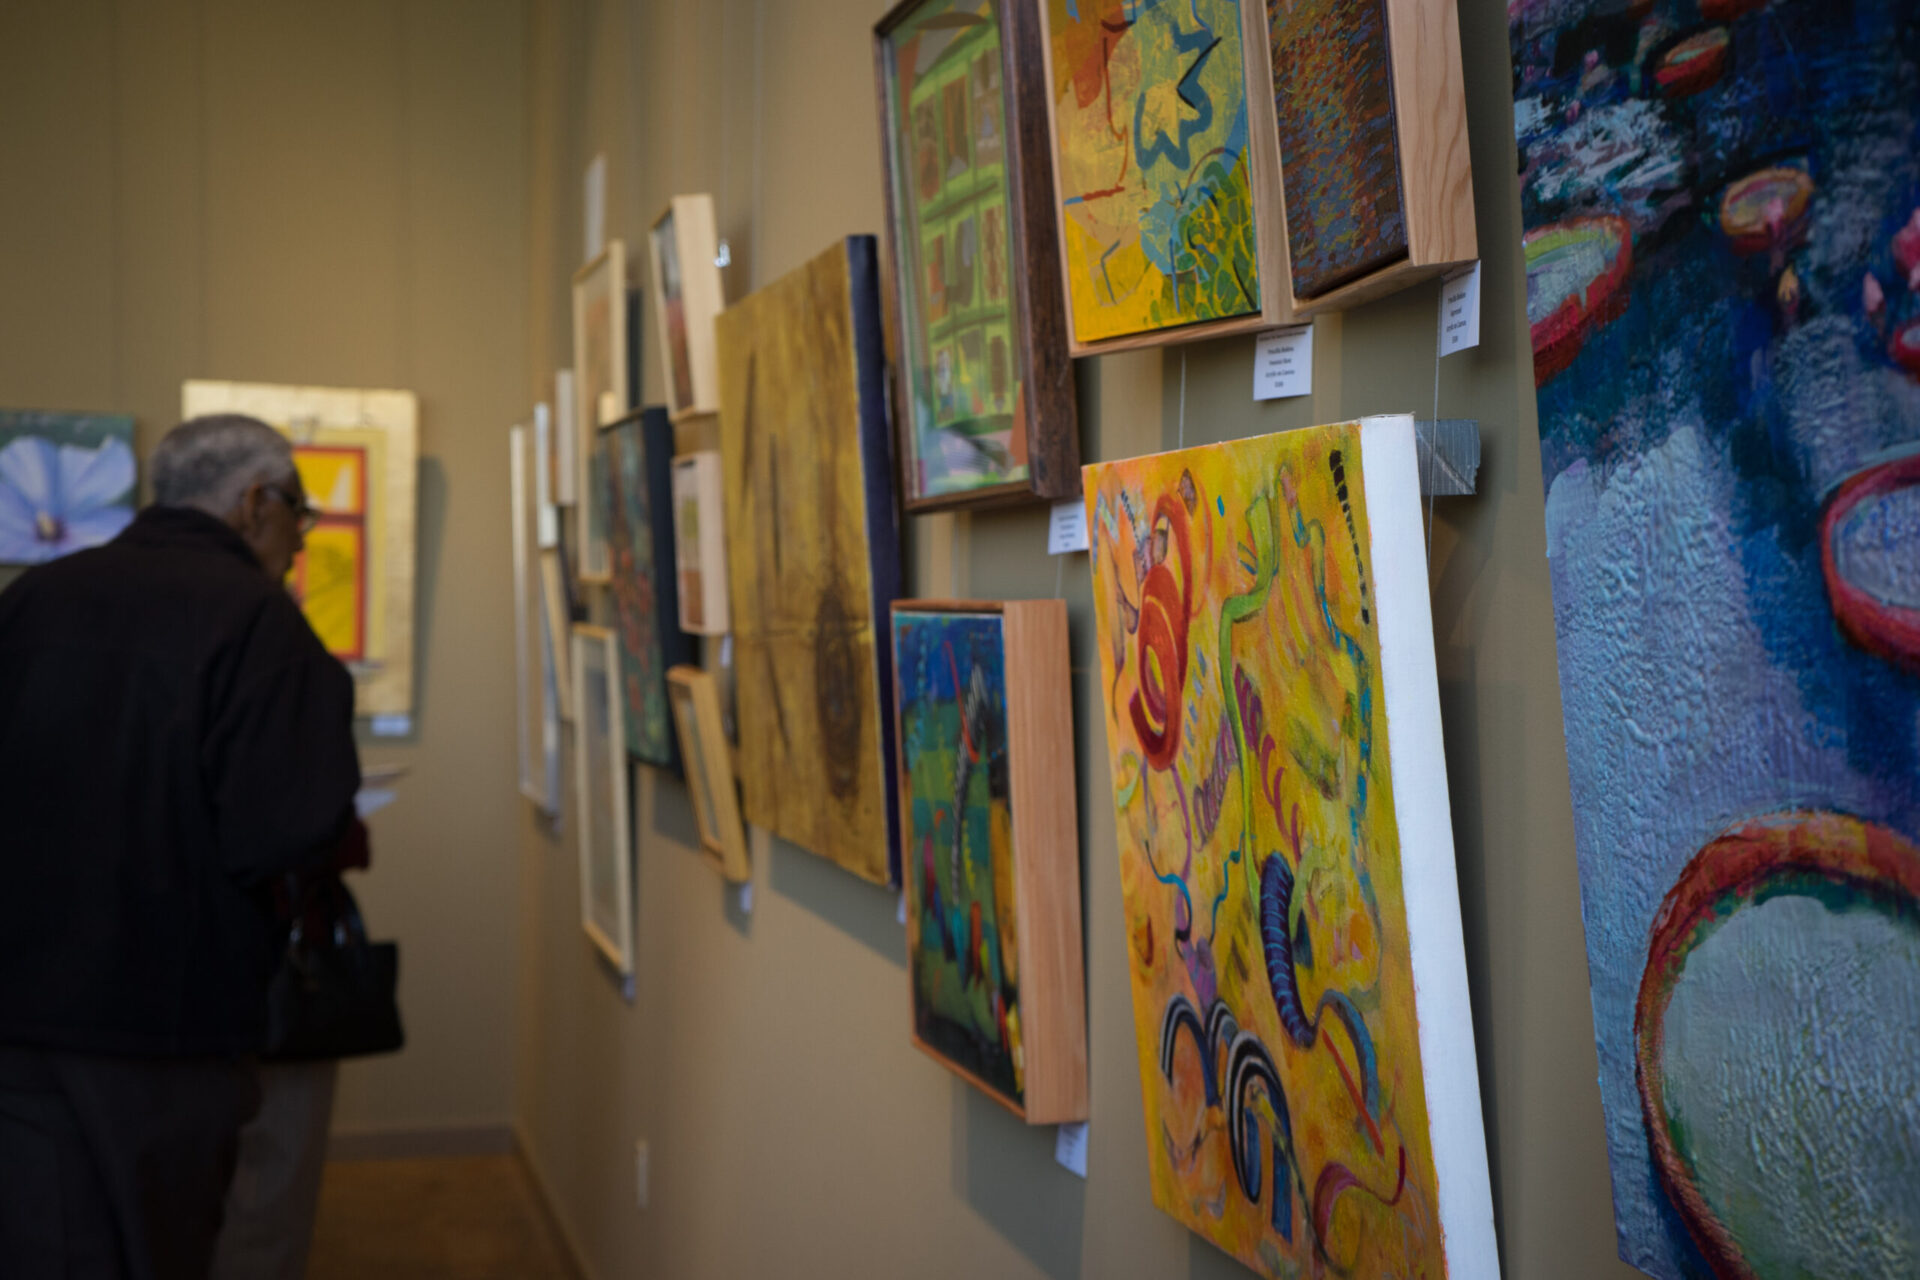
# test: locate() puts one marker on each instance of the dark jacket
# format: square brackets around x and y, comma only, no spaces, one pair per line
[172,737]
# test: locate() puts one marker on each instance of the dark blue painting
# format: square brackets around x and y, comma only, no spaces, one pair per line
[1722,210]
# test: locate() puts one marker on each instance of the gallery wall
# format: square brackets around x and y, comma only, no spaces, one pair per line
[764,1053]
[331,194]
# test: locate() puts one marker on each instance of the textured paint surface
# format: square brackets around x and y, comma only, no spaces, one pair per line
[637,606]
[1721,255]
[1150,140]
[963,948]
[947,124]
[1333,102]
[1260,855]
[812,556]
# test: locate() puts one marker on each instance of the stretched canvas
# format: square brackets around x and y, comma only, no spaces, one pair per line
[357,453]
[1333,102]
[991,863]
[687,294]
[535,702]
[985,395]
[1286,857]
[1155,178]
[66,482]
[600,791]
[646,604]
[813,552]
[700,543]
[709,759]
[1722,249]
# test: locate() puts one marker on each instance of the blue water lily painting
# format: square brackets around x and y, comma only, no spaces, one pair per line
[66,482]
[1721,201]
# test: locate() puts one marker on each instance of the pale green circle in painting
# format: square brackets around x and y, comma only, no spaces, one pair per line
[1792,1074]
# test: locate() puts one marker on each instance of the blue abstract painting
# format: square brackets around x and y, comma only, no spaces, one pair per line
[66,482]
[1721,202]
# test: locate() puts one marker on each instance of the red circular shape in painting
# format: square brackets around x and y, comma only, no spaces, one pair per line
[1881,627]
[1732,871]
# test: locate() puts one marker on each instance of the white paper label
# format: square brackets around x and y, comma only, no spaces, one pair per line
[1067,529]
[1460,310]
[726,650]
[391,726]
[1070,1147]
[594,200]
[746,898]
[900,916]
[1283,363]
[368,801]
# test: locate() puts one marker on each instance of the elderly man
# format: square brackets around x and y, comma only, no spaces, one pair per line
[173,737]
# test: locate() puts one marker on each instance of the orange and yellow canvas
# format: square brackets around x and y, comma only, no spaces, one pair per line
[1280,798]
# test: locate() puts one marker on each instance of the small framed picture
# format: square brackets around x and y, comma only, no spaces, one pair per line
[536,694]
[687,295]
[990,848]
[600,785]
[556,600]
[600,390]
[700,543]
[709,766]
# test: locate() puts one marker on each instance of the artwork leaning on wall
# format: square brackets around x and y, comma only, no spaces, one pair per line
[1286,859]
[1722,242]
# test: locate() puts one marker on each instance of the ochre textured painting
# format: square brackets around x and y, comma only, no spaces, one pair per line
[1150,140]
[1279,797]
[813,554]
[1722,247]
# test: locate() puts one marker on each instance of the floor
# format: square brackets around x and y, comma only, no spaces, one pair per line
[465,1218]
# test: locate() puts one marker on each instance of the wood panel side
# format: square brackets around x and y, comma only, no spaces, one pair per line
[1053,412]
[1430,111]
[1265,169]
[1046,843]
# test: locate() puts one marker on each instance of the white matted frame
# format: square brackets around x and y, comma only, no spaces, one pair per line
[536,700]
[600,390]
[700,544]
[695,700]
[687,294]
[600,787]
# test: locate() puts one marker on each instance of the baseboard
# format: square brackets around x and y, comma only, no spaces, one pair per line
[543,1193]
[415,1144]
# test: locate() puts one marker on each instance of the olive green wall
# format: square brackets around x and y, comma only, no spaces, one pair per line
[315,193]
[765,1058]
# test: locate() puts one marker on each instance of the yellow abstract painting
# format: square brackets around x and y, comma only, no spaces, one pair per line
[1261,852]
[356,452]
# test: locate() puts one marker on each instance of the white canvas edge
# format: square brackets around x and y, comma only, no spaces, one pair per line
[523,656]
[619,949]
[1417,755]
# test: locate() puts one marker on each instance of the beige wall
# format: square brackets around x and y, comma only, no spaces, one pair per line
[793,1131]
[316,193]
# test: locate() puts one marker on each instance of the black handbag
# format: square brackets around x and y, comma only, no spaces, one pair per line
[333,995]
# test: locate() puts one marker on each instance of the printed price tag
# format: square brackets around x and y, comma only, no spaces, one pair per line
[1460,310]
[1070,1148]
[746,898]
[900,916]
[1067,529]
[1283,363]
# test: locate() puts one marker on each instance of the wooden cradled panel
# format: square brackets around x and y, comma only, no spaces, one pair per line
[813,555]
[384,426]
[686,348]
[709,768]
[1263,176]
[1436,172]
[1043,414]
[601,776]
[1003,772]
[600,389]
[700,543]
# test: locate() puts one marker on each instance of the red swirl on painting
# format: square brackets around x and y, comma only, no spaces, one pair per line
[1165,606]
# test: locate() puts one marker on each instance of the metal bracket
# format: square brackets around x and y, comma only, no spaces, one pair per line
[1449,456]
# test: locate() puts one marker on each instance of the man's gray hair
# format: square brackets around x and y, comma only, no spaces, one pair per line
[210,462]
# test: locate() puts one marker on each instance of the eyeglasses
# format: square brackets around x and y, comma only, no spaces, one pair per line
[304,515]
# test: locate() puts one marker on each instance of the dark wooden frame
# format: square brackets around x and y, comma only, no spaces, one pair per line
[1046,369]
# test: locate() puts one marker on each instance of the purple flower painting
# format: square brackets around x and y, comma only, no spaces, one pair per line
[66,482]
